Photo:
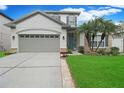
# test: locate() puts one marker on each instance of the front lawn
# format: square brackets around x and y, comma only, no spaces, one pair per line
[2,54]
[97,71]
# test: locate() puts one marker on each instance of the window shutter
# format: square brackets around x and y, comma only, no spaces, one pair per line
[75,21]
[67,20]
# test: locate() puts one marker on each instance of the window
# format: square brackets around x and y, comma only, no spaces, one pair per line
[51,36]
[27,36]
[56,36]
[97,40]
[36,36]
[57,17]
[118,35]
[46,36]
[71,20]
[31,36]
[21,36]
[42,36]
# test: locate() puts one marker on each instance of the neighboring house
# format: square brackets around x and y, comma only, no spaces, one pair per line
[113,40]
[43,32]
[5,33]
[118,38]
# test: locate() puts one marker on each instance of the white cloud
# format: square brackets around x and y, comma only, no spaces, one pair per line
[118,6]
[3,7]
[92,14]
[117,23]
[107,7]
[100,13]
[73,9]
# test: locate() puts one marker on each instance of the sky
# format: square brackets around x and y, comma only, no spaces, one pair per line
[88,12]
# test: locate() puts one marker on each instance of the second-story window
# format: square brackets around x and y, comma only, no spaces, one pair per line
[71,20]
[57,17]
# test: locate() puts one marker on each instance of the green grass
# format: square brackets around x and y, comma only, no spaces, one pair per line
[2,54]
[97,71]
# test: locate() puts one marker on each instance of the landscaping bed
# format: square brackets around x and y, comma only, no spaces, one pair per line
[97,71]
[2,54]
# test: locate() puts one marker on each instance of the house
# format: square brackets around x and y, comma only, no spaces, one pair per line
[49,31]
[114,40]
[5,33]
[118,38]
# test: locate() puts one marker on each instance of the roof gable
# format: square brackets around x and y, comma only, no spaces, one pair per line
[34,13]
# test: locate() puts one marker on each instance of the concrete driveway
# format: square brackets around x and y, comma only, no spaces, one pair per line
[33,70]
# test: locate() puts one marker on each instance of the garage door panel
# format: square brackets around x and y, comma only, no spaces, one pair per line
[39,44]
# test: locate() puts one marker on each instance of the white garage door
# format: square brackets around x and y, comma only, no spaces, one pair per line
[39,43]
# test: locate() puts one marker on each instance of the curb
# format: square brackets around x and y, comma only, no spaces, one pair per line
[66,75]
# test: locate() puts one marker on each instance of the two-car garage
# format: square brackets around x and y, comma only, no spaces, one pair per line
[38,32]
[39,43]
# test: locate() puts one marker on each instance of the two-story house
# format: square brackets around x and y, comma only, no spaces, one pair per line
[44,31]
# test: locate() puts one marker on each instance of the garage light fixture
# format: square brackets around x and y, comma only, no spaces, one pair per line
[13,37]
[63,38]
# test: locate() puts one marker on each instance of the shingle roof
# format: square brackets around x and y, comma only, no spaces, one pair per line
[6,16]
[63,12]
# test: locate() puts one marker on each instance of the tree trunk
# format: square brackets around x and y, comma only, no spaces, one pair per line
[99,45]
[93,41]
[86,44]
[102,38]
[92,44]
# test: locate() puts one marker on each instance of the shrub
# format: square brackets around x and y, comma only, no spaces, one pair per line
[81,49]
[114,51]
[92,54]
[101,52]
[108,51]
[69,51]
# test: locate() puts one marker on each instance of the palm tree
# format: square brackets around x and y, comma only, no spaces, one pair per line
[107,27]
[94,27]
[87,33]
[90,29]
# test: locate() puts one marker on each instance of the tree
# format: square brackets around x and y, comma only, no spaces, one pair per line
[90,30]
[107,27]
[94,27]
[87,33]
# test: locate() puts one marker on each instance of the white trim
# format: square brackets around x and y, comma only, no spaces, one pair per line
[39,29]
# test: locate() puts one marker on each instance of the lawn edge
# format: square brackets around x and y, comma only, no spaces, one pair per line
[66,75]
[70,71]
